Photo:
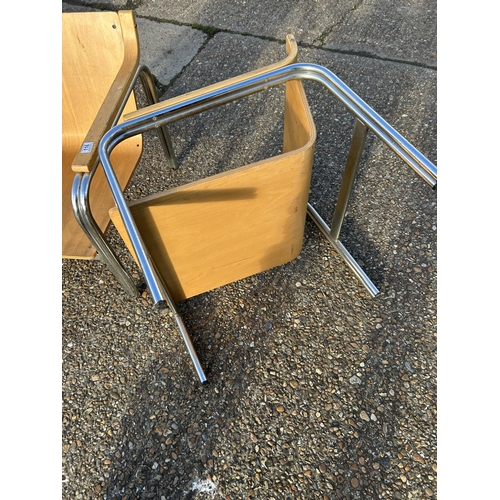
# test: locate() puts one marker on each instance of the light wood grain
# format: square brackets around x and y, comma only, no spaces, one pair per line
[100,58]
[223,228]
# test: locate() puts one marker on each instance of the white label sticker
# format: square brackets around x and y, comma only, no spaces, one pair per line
[87,147]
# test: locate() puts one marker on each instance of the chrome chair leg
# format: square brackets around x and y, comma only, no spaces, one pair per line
[81,209]
[163,134]
[350,171]
[190,348]
[159,292]
[332,234]
[341,250]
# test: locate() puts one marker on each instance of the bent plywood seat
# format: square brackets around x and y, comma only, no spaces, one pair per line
[100,57]
[229,226]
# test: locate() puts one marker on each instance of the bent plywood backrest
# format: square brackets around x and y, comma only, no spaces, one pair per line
[100,56]
[229,226]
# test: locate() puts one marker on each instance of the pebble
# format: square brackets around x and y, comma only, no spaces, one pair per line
[409,367]
[364,416]
[355,380]
[418,458]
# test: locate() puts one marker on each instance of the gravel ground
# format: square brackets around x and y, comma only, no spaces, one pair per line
[316,390]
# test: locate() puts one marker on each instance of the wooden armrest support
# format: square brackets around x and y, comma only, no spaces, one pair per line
[291,58]
[107,115]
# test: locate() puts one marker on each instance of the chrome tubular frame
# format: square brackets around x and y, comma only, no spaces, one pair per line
[81,209]
[159,116]
[82,182]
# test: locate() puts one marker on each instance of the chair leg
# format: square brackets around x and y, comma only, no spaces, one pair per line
[79,197]
[152,97]
[159,292]
[84,217]
[332,235]
[350,171]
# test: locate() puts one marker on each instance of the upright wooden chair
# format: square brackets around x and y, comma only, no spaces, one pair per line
[100,59]
[100,67]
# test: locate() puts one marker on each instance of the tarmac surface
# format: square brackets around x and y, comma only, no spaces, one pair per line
[315,389]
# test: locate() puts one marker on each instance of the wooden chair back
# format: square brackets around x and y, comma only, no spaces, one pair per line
[99,59]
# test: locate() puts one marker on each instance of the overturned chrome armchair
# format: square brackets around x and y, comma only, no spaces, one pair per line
[196,237]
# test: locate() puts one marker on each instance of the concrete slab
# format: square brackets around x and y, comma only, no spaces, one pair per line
[68,7]
[167,48]
[281,349]
[406,31]
[110,4]
[275,18]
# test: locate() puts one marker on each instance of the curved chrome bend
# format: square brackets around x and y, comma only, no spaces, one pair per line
[141,120]
[83,214]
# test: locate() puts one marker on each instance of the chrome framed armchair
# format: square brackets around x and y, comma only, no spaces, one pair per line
[196,237]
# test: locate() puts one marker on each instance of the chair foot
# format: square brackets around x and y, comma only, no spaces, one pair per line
[190,348]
